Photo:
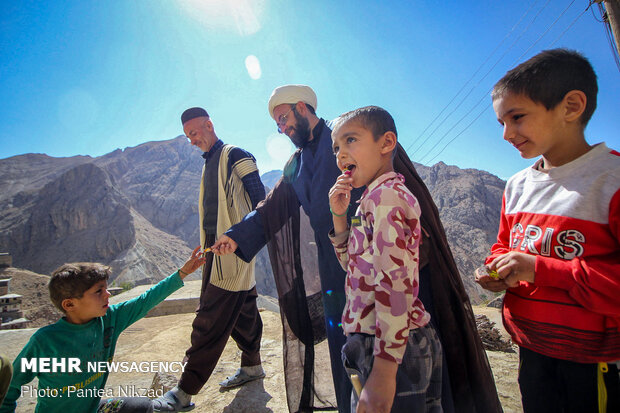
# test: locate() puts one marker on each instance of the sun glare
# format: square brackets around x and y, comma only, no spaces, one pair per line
[253,67]
[279,149]
[240,15]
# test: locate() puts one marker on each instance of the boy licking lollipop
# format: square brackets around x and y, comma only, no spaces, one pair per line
[391,346]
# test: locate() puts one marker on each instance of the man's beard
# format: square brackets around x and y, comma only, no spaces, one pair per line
[301,135]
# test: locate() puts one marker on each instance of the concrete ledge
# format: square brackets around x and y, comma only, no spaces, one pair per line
[174,306]
[14,324]
[184,300]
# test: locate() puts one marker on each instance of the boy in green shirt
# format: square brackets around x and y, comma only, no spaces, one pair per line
[69,356]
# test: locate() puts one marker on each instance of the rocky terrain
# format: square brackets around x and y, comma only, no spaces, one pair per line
[136,210]
[469,203]
[165,338]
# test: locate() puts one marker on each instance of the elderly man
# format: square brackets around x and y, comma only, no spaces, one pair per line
[307,178]
[230,188]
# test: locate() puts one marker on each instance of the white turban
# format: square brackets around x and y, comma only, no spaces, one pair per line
[291,94]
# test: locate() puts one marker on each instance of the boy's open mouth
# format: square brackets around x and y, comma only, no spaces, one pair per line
[349,168]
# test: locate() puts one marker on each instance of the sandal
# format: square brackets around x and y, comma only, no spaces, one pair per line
[170,403]
[240,377]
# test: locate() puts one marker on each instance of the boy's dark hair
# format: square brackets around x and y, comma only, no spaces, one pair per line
[71,280]
[377,120]
[374,118]
[547,77]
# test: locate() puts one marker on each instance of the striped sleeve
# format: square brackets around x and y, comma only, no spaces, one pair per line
[243,164]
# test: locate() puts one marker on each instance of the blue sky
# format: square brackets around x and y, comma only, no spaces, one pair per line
[88,77]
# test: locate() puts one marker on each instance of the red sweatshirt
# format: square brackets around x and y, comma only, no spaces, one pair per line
[569,217]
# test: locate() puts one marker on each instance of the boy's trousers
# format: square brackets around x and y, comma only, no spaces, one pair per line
[552,385]
[418,379]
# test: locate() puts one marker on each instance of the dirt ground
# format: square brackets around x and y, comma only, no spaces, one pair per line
[166,339]
[504,365]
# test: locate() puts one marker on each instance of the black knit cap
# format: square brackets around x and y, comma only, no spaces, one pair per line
[192,113]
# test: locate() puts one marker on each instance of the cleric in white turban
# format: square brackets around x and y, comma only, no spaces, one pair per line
[291,94]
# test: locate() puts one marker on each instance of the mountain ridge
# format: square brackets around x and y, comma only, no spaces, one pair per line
[136,210]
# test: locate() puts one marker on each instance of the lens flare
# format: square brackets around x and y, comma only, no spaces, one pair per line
[252,65]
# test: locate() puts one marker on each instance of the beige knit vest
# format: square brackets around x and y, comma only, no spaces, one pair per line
[228,271]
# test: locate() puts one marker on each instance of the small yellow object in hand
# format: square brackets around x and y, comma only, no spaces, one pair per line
[491,273]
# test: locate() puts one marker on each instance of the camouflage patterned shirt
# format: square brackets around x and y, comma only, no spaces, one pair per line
[380,255]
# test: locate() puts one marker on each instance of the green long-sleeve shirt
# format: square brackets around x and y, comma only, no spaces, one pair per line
[91,342]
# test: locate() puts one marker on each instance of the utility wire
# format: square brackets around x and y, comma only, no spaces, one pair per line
[610,38]
[468,81]
[483,97]
[460,133]
[571,25]
[546,31]
[454,126]
[477,84]
[601,9]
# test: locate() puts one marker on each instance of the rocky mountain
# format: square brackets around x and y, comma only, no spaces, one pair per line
[160,179]
[136,210]
[469,203]
[270,178]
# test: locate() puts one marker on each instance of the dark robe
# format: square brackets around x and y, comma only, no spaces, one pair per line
[307,179]
[469,385]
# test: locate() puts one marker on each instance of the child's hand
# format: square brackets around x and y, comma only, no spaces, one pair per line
[196,260]
[340,194]
[489,282]
[378,393]
[514,267]
[224,245]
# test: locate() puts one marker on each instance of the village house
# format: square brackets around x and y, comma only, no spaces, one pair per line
[11,315]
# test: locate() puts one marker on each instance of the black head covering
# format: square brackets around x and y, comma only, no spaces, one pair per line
[471,383]
[192,113]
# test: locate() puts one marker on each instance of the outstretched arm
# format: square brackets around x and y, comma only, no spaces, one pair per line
[224,245]
[195,261]
[128,312]
[251,234]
